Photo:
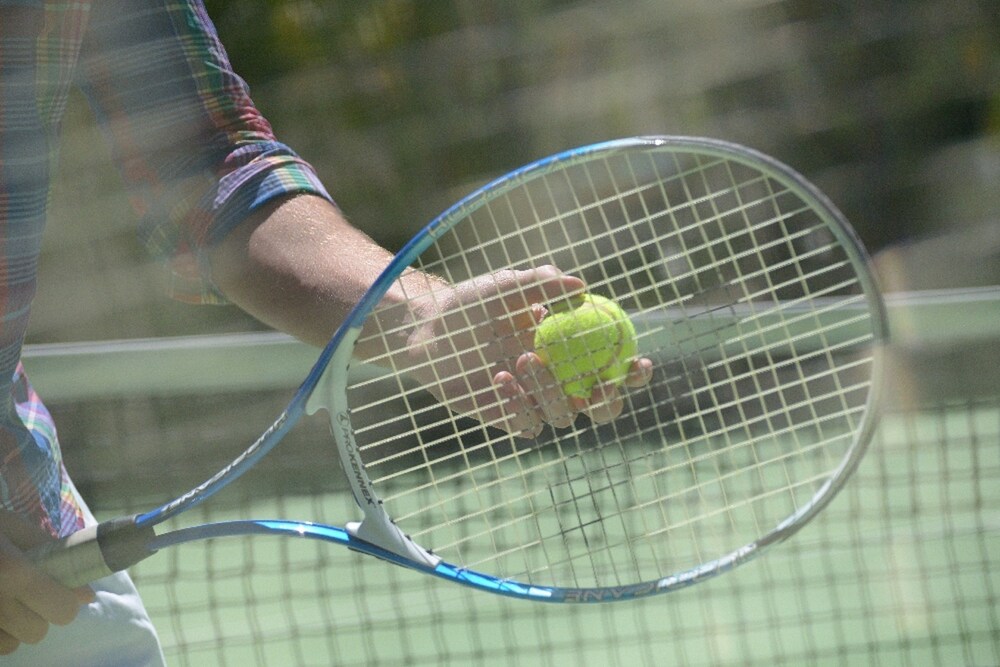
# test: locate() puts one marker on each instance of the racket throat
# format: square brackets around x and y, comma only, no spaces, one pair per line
[376,528]
[379,530]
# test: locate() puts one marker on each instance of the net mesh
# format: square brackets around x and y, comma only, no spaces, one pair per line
[900,569]
[891,108]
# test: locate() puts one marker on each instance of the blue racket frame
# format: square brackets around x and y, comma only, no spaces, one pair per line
[325,388]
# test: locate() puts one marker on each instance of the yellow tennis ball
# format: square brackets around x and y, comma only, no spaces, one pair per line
[584,341]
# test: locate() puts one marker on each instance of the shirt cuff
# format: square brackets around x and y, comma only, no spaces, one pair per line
[256,177]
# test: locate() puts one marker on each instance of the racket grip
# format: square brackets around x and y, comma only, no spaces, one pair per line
[94,552]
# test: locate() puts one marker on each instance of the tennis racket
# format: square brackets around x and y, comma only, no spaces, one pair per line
[749,292]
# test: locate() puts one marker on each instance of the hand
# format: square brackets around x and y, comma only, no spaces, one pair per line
[29,599]
[493,318]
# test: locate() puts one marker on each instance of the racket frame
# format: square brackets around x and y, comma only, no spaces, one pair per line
[325,388]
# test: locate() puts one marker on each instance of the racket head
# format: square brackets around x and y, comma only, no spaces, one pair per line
[752,296]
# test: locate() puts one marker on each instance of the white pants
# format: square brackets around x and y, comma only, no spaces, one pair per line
[113,631]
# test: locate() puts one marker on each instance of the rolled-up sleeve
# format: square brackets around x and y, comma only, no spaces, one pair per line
[196,154]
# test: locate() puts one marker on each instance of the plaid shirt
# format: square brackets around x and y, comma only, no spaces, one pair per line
[195,154]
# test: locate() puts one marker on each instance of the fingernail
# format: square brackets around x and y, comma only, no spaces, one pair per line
[504,382]
[562,421]
[535,363]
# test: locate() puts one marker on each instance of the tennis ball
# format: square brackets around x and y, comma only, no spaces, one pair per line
[586,340]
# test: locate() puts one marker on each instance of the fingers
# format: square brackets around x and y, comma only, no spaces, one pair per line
[522,418]
[640,374]
[20,625]
[548,397]
[605,404]
[527,411]
[546,283]
[29,599]
[521,290]
[7,643]
[606,401]
[508,305]
[533,397]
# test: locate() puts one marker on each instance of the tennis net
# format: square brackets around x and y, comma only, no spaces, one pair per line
[902,568]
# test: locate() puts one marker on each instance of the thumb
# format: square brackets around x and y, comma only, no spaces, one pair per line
[24,536]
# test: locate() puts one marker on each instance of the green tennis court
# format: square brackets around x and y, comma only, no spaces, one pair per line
[893,109]
[901,569]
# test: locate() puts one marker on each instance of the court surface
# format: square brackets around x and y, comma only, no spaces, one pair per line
[901,569]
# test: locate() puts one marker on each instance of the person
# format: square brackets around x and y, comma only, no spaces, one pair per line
[239,217]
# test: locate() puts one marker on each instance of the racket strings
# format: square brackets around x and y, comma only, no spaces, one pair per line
[753,316]
[749,374]
[777,309]
[715,404]
[463,257]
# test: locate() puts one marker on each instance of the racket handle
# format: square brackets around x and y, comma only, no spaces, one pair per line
[94,552]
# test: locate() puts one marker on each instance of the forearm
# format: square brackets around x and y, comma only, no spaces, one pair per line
[299,266]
